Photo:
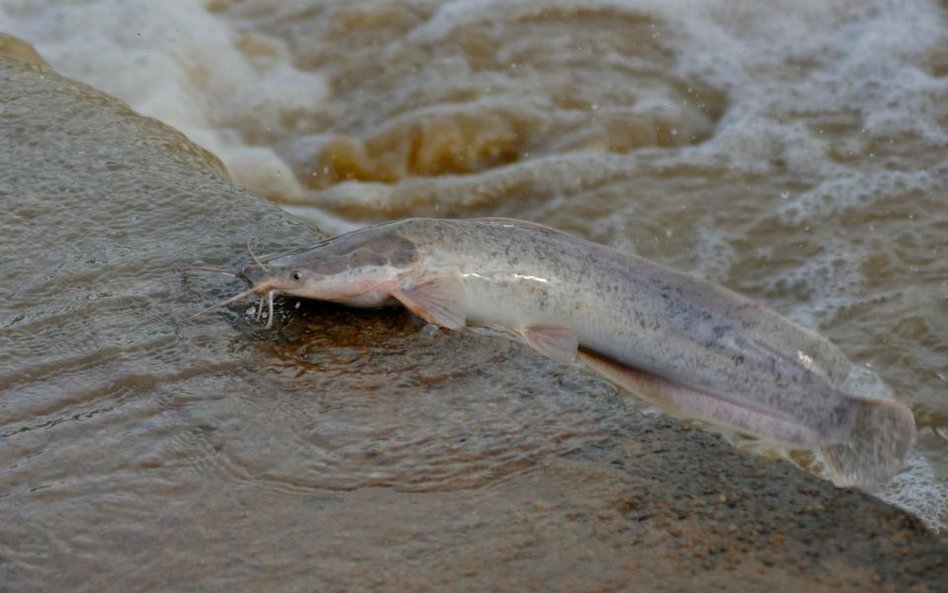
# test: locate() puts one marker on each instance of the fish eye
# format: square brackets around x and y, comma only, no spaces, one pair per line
[296,276]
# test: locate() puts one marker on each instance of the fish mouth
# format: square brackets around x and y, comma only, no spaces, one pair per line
[253,276]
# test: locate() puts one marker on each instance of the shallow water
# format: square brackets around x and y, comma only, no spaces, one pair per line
[798,157]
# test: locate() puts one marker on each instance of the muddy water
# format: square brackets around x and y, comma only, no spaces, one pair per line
[353,450]
[798,155]
[340,451]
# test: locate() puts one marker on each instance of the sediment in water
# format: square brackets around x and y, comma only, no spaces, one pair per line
[341,449]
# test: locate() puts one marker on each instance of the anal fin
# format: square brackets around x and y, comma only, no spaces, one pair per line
[557,342]
[639,383]
[721,410]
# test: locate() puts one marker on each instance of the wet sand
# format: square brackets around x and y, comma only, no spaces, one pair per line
[342,450]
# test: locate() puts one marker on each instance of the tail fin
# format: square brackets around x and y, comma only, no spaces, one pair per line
[872,449]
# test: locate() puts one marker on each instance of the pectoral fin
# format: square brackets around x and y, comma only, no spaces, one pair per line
[559,343]
[438,301]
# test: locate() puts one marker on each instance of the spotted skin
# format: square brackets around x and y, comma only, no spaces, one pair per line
[697,348]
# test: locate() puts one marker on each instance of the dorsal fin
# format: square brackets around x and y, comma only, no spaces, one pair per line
[514,222]
[532,226]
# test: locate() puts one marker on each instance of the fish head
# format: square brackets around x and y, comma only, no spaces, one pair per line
[358,269]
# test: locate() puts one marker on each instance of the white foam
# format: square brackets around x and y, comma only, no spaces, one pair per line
[221,86]
[918,490]
[854,190]
[174,61]
[717,255]
[225,88]
[859,58]
[832,280]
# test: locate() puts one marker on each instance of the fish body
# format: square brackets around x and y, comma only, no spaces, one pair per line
[693,347]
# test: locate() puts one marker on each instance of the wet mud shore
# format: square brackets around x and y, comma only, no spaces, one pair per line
[341,451]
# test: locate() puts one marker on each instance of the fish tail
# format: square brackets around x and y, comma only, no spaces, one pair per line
[871,449]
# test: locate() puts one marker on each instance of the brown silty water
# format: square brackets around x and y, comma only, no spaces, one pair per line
[355,451]
[811,176]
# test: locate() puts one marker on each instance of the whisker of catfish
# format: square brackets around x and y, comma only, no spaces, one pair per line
[224,303]
[270,302]
[253,256]
[210,269]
